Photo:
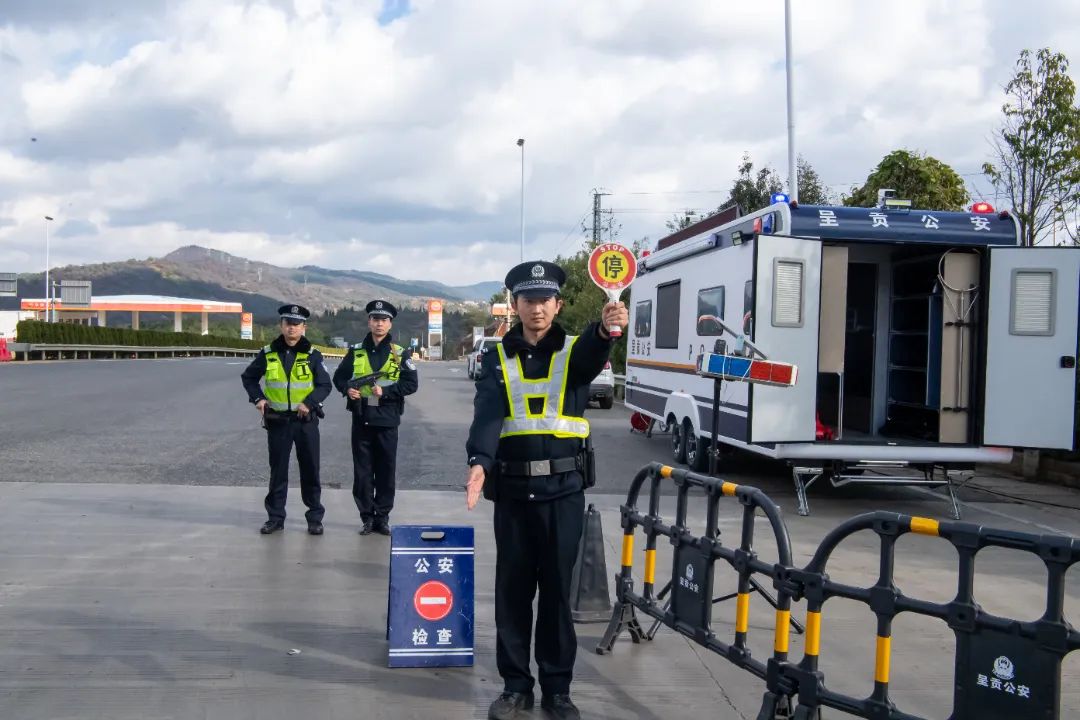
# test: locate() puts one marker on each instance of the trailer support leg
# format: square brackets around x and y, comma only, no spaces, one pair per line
[802,486]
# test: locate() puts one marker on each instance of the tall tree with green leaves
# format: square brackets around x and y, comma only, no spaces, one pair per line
[753,190]
[812,190]
[1037,148]
[683,220]
[929,183]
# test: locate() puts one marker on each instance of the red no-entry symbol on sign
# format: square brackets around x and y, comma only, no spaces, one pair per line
[433,600]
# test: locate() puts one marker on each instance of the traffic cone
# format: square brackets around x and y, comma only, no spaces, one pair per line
[5,354]
[589,599]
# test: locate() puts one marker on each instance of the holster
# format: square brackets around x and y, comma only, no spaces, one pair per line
[491,483]
[587,462]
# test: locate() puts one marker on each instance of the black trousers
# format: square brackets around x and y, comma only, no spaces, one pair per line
[536,547]
[374,456]
[281,435]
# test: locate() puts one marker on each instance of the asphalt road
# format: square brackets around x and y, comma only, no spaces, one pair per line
[188,422]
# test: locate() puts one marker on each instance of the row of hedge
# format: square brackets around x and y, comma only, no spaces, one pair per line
[35,331]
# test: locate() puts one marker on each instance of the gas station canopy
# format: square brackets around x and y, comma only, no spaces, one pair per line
[100,305]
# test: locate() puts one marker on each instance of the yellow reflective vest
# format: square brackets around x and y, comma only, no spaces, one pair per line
[551,389]
[284,393]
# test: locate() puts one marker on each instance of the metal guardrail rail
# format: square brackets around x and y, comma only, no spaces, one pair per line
[60,351]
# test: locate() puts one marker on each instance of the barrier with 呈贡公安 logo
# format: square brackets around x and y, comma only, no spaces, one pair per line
[429,618]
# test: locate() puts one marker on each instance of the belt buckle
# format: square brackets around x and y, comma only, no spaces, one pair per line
[539,467]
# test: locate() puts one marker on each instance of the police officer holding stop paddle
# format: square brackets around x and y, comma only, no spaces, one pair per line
[525,453]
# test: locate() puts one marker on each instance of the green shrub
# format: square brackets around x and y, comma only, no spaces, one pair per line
[37,332]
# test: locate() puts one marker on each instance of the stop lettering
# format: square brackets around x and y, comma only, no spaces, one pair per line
[433,600]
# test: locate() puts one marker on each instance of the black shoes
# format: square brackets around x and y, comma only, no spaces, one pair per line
[271,526]
[379,525]
[560,707]
[508,705]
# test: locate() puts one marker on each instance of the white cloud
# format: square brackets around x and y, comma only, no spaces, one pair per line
[304,131]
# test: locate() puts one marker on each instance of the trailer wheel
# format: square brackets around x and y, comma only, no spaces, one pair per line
[697,449]
[678,446]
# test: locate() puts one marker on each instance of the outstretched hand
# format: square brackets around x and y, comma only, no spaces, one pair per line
[474,485]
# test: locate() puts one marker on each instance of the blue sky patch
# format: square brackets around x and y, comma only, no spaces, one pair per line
[392,10]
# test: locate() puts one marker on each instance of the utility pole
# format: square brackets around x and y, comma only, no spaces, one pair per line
[793,171]
[596,213]
[48,288]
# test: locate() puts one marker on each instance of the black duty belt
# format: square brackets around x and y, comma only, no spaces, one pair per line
[537,468]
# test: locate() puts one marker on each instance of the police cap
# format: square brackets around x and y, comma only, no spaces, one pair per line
[294,314]
[537,278]
[381,308]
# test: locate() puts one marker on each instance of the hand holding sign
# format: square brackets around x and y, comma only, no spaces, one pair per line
[612,267]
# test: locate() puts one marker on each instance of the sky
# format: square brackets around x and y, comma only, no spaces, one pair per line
[381,134]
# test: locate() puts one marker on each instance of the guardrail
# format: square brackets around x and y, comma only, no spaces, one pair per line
[53,351]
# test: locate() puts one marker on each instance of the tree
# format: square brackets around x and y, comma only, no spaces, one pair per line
[753,190]
[929,183]
[1036,149]
[681,221]
[812,191]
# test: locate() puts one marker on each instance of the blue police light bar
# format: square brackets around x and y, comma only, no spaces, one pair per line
[778,198]
[741,369]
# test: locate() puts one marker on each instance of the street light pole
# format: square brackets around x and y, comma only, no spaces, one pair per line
[521,144]
[793,171]
[48,303]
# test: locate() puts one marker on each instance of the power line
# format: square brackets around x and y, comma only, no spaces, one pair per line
[570,232]
[674,192]
[661,212]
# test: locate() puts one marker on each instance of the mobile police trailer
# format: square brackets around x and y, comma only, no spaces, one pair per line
[924,340]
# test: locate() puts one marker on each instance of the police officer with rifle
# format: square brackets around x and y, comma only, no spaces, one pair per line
[291,405]
[376,376]
[527,451]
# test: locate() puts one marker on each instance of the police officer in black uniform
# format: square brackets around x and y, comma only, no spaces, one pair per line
[376,414]
[525,454]
[296,384]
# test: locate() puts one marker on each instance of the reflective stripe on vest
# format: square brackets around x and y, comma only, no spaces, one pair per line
[285,393]
[552,389]
[362,366]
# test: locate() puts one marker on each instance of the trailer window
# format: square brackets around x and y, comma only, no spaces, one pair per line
[667,315]
[643,319]
[1031,309]
[787,305]
[710,303]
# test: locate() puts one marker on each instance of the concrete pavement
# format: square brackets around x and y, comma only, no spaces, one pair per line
[134,584]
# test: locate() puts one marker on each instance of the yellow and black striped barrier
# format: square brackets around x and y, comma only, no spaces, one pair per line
[688,609]
[1005,669]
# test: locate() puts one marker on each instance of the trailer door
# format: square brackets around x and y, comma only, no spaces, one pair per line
[1030,385]
[786,309]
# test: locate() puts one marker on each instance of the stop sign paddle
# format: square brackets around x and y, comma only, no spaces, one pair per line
[612,267]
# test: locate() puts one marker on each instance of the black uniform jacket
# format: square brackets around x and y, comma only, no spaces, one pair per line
[392,403]
[490,406]
[254,372]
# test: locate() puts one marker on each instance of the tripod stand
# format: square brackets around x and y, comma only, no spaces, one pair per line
[754,584]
